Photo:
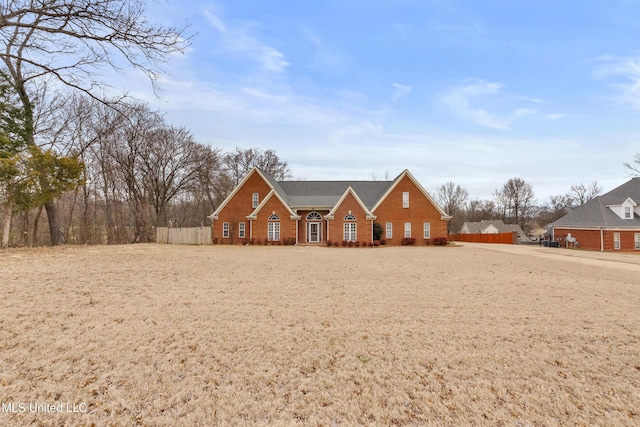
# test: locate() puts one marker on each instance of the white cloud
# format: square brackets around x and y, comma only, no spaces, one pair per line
[624,74]
[238,39]
[400,91]
[459,101]
[462,101]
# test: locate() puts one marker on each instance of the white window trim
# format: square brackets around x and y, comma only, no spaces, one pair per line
[350,231]
[407,230]
[241,230]
[273,231]
[426,227]
[636,239]
[628,212]
[255,199]
[616,241]
[389,230]
[405,199]
[225,230]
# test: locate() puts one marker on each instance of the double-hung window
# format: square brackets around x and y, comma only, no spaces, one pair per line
[241,230]
[427,230]
[389,234]
[616,241]
[407,229]
[254,200]
[405,199]
[225,230]
[636,238]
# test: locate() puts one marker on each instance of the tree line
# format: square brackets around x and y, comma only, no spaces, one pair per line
[104,169]
[108,169]
[514,203]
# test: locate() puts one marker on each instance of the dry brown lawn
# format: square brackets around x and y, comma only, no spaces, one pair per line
[159,335]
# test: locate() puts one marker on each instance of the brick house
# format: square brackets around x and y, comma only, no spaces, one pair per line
[313,212]
[610,222]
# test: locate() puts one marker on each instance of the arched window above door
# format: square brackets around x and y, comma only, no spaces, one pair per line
[314,216]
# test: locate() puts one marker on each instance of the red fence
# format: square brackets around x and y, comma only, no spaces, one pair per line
[508,238]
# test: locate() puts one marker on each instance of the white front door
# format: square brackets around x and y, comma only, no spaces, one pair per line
[313,232]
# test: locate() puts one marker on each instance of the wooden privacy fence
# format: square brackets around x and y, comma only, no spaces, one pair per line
[184,236]
[508,238]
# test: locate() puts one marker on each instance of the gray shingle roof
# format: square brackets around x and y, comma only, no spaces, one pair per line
[325,194]
[595,212]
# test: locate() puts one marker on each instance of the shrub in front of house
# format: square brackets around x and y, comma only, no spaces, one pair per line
[440,241]
[383,242]
[344,243]
[329,243]
[408,241]
[376,243]
[335,244]
[370,244]
[357,243]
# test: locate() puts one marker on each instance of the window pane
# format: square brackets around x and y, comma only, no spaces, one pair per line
[427,230]
[405,199]
[389,230]
[407,229]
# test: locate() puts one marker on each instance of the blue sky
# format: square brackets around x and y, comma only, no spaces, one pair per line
[464,91]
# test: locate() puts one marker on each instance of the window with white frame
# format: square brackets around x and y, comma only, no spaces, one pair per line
[349,217]
[389,234]
[426,227]
[616,241]
[225,230]
[627,212]
[405,199]
[636,238]
[273,232]
[350,234]
[274,217]
[255,198]
[407,229]
[241,230]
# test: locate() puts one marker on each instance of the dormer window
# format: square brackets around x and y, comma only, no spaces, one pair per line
[627,212]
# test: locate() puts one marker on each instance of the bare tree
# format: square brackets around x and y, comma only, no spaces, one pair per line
[452,199]
[634,169]
[581,194]
[517,196]
[555,208]
[171,163]
[68,41]
[239,163]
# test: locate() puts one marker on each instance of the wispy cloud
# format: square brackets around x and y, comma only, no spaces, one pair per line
[483,103]
[624,74]
[459,101]
[400,91]
[238,39]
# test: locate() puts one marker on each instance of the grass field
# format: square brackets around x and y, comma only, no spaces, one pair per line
[160,335]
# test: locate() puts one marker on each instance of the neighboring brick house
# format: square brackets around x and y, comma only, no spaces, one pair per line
[263,209]
[610,222]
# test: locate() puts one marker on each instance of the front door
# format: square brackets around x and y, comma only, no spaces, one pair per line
[313,232]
